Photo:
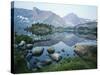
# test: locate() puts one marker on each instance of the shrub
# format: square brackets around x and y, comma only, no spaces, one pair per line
[26,38]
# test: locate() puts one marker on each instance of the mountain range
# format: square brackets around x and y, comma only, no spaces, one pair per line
[47,17]
[25,17]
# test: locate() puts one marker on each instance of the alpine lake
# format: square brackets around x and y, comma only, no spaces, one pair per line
[42,48]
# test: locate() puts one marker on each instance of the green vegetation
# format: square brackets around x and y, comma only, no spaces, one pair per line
[19,38]
[19,62]
[65,64]
[20,65]
[69,64]
[40,29]
[90,55]
[75,63]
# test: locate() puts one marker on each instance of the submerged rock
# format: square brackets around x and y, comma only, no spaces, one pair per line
[47,62]
[39,65]
[38,51]
[32,64]
[74,54]
[67,54]
[50,50]
[58,51]
[29,66]
[55,56]
[28,56]
[63,50]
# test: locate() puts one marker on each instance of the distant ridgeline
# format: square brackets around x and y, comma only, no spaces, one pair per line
[87,28]
[44,29]
[90,27]
[54,22]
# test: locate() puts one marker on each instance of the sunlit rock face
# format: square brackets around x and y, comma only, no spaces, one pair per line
[86,49]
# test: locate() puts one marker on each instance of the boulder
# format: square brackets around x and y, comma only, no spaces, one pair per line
[29,46]
[37,51]
[22,43]
[31,65]
[50,50]
[86,49]
[55,56]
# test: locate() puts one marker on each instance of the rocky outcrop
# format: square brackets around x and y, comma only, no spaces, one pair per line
[86,49]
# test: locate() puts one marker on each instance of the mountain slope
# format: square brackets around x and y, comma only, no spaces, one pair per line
[22,18]
[73,19]
[47,17]
[25,17]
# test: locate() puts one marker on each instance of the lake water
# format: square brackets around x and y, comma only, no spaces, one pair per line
[59,41]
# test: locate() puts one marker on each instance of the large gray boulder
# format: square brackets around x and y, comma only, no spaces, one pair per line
[37,51]
[86,49]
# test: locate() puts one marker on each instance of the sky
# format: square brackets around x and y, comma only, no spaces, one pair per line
[83,11]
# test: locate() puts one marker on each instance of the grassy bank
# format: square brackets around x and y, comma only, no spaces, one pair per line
[69,64]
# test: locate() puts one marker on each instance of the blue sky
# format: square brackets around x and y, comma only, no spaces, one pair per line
[83,11]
